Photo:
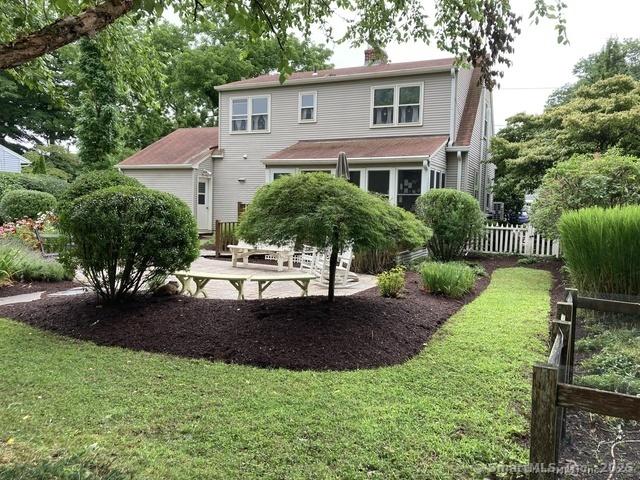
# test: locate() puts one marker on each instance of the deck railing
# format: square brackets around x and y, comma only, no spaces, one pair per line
[224,236]
[553,390]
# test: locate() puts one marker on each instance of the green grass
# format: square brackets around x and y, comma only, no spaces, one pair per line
[452,279]
[457,406]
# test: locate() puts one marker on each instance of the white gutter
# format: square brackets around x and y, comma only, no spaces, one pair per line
[352,160]
[453,108]
[333,78]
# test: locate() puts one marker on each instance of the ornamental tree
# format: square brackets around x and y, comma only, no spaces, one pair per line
[328,213]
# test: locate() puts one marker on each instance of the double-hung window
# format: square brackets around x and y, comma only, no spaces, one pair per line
[307,107]
[396,105]
[250,114]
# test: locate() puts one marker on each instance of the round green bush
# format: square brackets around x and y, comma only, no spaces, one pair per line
[585,181]
[454,216]
[16,204]
[93,181]
[124,237]
[27,181]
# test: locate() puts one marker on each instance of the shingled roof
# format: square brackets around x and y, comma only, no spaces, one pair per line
[349,73]
[468,120]
[182,147]
[371,147]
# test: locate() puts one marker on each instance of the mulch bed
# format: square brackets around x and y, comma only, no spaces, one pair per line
[359,331]
[21,288]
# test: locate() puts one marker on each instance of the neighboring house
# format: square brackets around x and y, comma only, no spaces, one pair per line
[182,164]
[405,128]
[11,161]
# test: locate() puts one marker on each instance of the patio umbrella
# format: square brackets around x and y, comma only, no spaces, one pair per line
[342,168]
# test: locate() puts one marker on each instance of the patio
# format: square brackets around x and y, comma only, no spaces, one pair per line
[224,290]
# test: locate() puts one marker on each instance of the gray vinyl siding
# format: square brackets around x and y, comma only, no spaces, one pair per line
[178,182]
[343,111]
[451,179]
[462,84]
[439,160]
[473,159]
[10,161]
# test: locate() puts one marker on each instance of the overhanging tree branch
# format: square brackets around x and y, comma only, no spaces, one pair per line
[62,32]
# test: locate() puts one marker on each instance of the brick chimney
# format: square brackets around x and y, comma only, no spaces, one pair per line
[375,56]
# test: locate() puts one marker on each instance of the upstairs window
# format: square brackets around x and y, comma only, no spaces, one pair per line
[307,107]
[397,105]
[250,114]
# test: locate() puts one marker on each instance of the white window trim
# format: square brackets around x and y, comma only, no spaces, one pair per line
[423,176]
[249,99]
[392,181]
[362,171]
[315,106]
[396,105]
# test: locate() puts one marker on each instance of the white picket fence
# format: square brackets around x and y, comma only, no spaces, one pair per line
[514,240]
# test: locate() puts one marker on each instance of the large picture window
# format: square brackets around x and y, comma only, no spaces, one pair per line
[250,114]
[409,188]
[378,182]
[396,105]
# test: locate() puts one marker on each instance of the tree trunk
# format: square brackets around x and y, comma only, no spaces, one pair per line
[333,263]
[62,32]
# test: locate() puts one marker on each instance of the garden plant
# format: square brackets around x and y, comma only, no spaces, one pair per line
[17,204]
[391,283]
[585,181]
[97,180]
[601,249]
[455,218]
[452,279]
[328,213]
[126,237]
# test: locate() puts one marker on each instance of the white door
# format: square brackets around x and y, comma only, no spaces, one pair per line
[204,204]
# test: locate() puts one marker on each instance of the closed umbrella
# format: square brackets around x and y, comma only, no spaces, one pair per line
[342,168]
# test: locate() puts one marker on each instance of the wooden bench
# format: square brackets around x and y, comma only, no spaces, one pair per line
[202,278]
[300,279]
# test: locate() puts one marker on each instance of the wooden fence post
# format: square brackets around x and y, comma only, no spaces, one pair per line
[572,299]
[543,447]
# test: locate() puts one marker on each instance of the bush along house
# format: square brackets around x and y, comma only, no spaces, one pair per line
[405,128]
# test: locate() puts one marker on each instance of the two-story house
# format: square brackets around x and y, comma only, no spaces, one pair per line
[405,128]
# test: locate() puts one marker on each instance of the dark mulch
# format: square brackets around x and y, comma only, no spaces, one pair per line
[359,331]
[20,288]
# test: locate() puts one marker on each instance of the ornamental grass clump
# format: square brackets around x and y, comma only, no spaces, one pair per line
[601,249]
[452,279]
[391,283]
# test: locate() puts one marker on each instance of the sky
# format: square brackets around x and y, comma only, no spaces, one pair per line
[539,64]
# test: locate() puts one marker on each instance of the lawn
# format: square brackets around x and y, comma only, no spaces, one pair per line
[458,405]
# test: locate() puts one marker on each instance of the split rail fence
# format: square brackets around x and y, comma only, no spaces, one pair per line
[553,389]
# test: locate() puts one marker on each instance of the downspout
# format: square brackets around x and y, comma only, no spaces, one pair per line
[453,108]
[459,182]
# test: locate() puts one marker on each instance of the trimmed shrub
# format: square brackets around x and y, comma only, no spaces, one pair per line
[585,181]
[391,283]
[17,204]
[125,237]
[93,181]
[454,216]
[601,248]
[452,279]
[17,262]
[28,181]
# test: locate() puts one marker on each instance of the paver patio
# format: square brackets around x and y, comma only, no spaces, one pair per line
[224,290]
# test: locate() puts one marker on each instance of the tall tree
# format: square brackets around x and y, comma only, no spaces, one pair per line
[97,127]
[479,31]
[598,117]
